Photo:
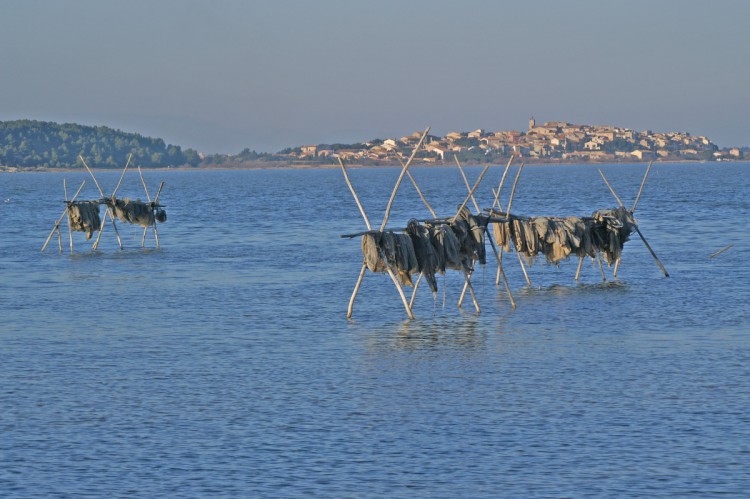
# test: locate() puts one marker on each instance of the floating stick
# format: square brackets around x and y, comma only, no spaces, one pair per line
[400,178]
[648,246]
[65,212]
[720,251]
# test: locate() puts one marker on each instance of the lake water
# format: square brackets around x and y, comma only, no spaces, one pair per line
[223,365]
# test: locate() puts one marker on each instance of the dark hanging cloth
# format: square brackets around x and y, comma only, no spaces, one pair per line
[84,217]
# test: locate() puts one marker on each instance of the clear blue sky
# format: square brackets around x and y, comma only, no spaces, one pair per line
[223,75]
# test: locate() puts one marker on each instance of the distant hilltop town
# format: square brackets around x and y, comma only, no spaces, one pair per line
[29,144]
[553,141]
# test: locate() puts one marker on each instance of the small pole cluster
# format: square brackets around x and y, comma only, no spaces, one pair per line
[84,215]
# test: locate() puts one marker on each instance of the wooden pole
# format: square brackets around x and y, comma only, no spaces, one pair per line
[382,256]
[601,267]
[414,293]
[143,181]
[70,227]
[145,229]
[398,287]
[108,210]
[619,201]
[121,176]
[356,290]
[578,270]
[65,212]
[471,191]
[400,178]
[419,191]
[467,285]
[101,229]
[59,239]
[466,181]
[500,187]
[354,193]
[500,271]
[510,204]
[648,246]
[642,184]
[156,201]
[513,190]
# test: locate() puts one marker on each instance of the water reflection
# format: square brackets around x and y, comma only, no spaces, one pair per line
[465,332]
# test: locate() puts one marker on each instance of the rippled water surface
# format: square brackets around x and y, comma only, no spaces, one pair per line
[222,364]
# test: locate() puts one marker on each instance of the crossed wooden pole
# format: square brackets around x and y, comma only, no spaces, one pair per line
[498,256]
[466,272]
[108,210]
[388,268]
[635,225]
[498,204]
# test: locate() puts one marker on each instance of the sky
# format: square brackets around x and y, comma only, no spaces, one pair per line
[223,75]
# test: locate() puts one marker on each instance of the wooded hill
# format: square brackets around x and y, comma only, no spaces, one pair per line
[27,143]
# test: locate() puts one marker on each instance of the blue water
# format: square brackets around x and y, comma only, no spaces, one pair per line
[222,364]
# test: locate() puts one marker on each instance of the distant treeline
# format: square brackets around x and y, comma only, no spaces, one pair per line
[27,143]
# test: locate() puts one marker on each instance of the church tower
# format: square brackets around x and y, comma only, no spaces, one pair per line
[532,123]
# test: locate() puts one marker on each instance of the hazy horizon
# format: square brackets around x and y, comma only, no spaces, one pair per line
[228,75]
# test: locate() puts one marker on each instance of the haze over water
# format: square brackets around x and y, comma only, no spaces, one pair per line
[222,364]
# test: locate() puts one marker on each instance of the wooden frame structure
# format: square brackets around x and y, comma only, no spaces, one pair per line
[114,208]
[496,215]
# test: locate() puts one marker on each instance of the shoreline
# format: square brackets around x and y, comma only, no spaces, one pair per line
[325,166]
